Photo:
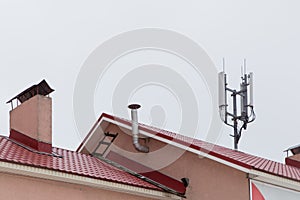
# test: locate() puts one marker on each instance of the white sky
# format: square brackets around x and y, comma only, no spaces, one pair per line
[52,39]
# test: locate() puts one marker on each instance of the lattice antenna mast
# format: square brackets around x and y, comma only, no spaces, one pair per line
[245,114]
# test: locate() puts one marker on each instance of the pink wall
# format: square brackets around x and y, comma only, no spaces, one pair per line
[15,187]
[209,180]
[34,118]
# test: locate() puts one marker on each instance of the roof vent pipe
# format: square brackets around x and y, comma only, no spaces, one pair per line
[135,129]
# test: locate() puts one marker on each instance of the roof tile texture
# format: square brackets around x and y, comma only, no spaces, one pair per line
[70,162]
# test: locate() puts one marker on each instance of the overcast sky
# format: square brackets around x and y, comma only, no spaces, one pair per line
[53,40]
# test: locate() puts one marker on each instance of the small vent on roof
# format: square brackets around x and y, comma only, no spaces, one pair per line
[294,149]
[293,160]
[42,88]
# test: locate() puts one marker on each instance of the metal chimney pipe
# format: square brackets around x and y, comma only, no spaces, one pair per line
[135,129]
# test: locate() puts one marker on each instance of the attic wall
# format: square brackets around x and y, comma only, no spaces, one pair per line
[209,180]
[15,187]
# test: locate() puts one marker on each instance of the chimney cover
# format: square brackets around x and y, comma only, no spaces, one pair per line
[42,88]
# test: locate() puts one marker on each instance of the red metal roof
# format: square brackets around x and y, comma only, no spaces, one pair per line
[69,162]
[236,157]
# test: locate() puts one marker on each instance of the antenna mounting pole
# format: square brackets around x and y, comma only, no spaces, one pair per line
[242,116]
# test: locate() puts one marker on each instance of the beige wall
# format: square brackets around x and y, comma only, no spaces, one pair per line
[209,180]
[15,187]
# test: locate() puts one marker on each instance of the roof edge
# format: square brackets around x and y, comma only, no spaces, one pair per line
[53,175]
[91,130]
[274,180]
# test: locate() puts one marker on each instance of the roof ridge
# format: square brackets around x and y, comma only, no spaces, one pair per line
[196,139]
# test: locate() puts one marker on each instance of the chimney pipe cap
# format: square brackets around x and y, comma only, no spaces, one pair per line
[134,106]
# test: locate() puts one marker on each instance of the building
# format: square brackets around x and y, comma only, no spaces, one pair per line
[123,159]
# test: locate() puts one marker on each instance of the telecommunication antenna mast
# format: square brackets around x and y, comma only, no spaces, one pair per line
[246,112]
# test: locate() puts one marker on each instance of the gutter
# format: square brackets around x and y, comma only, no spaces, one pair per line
[167,189]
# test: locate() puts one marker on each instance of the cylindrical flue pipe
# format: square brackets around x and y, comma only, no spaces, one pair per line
[135,129]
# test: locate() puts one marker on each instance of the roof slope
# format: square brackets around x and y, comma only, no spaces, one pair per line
[233,156]
[68,162]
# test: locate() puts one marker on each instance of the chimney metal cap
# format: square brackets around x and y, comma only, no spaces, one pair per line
[41,88]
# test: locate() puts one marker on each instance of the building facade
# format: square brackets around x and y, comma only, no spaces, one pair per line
[124,159]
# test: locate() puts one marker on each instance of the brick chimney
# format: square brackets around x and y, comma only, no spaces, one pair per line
[31,120]
[294,159]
